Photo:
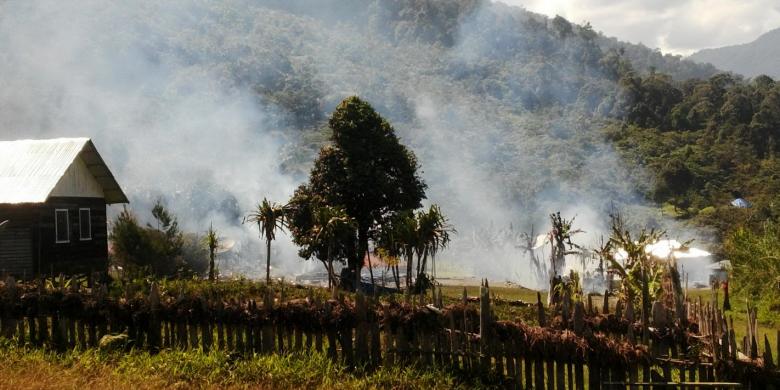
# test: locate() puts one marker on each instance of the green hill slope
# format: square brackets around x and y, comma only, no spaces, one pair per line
[760,57]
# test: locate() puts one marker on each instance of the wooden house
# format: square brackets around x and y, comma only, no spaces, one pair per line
[53,198]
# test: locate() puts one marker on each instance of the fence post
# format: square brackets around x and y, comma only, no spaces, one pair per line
[8,320]
[219,309]
[565,309]
[579,319]
[71,320]
[376,343]
[361,346]
[346,346]
[769,364]
[733,341]
[539,372]
[484,326]
[154,337]
[594,374]
[590,305]
[540,310]
[31,315]
[43,331]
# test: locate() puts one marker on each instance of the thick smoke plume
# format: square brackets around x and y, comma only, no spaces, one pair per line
[189,101]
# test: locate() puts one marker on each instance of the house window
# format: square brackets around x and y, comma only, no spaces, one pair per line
[85,225]
[61,226]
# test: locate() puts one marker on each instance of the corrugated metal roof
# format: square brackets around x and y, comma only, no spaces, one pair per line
[30,169]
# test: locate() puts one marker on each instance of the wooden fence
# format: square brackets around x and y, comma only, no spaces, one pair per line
[576,348]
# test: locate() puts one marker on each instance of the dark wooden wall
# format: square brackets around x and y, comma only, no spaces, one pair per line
[17,239]
[48,256]
[76,256]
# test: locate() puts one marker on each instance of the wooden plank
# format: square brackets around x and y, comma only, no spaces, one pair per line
[579,375]
[345,337]
[518,362]
[33,332]
[550,368]
[318,341]
[539,373]
[541,318]
[594,375]
[194,339]
[506,353]
[633,374]
[207,339]
[332,351]
[484,328]
[361,330]
[298,346]
[560,375]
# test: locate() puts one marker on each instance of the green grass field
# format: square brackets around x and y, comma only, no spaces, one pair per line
[36,369]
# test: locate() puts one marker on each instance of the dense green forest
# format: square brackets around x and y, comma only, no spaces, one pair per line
[707,141]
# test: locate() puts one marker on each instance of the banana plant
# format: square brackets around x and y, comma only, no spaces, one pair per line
[211,241]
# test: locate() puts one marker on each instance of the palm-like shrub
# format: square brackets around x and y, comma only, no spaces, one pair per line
[269,218]
[433,235]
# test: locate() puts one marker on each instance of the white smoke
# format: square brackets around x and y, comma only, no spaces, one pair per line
[165,89]
[168,124]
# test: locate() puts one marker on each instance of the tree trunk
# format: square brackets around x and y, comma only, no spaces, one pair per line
[396,276]
[268,262]
[332,276]
[329,266]
[419,262]
[433,266]
[409,266]
[424,263]
[645,306]
[327,269]
[357,265]
[211,265]
[370,269]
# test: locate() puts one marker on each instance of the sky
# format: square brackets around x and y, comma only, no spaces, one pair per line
[674,26]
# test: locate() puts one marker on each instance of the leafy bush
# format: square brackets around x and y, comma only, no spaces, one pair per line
[755,258]
[161,250]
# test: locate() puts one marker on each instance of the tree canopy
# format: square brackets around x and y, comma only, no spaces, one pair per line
[365,170]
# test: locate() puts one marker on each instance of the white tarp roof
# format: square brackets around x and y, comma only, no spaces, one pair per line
[665,248]
[30,169]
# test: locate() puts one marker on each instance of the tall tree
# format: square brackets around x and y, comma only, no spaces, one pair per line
[366,171]
[269,217]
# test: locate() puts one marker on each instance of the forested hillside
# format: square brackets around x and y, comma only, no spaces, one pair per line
[512,115]
[707,141]
[760,57]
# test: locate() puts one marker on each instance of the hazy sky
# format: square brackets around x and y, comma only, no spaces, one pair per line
[676,26]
